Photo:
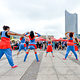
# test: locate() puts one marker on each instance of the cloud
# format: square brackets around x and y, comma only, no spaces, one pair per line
[43,16]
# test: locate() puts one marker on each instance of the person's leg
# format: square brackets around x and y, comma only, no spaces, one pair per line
[1,53]
[36,55]
[52,54]
[55,46]
[25,49]
[46,54]
[20,48]
[8,54]
[74,52]
[26,55]
[61,47]
[67,52]
[58,47]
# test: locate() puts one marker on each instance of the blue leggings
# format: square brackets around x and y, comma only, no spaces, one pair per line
[8,54]
[51,52]
[27,55]
[21,46]
[70,48]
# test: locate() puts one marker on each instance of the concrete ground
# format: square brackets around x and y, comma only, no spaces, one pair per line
[49,68]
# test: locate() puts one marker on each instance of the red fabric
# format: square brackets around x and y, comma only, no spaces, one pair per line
[41,47]
[70,43]
[31,38]
[20,38]
[53,39]
[37,36]
[35,52]
[70,40]
[26,52]
[49,42]
[40,39]
[49,48]
[24,45]
[76,48]
[35,32]
[61,39]
[33,45]
[5,43]
[14,47]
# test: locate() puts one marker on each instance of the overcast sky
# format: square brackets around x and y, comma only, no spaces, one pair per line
[43,16]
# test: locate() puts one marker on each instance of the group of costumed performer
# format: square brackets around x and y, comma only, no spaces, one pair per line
[22,45]
[5,46]
[70,45]
[32,44]
[49,47]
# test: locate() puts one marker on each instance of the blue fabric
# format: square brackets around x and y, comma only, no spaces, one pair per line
[54,43]
[25,57]
[31,47]
[32,41]
[23,40]
[71,38]
[3,34]
[68,34]
[37,57]
[70,48]
[51,52]
[26,34]
[38,34]
[49,44]
[75,44]
[8,54]
[21,46]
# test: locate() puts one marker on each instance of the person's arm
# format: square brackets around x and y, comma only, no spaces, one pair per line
[27,34]
[38,35]
[0,33]
[10,33]
[51,41]
[73,35]
[67,35]
[47,39]
[77,43]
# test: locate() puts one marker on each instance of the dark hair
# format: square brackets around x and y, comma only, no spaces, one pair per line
[31,34]
[49,38]
[22,37]
[5,27]
[76,39]
[71,34]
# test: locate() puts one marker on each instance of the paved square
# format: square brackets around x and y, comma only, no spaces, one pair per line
[49,68]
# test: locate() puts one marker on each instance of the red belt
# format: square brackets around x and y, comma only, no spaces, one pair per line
[33,45]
